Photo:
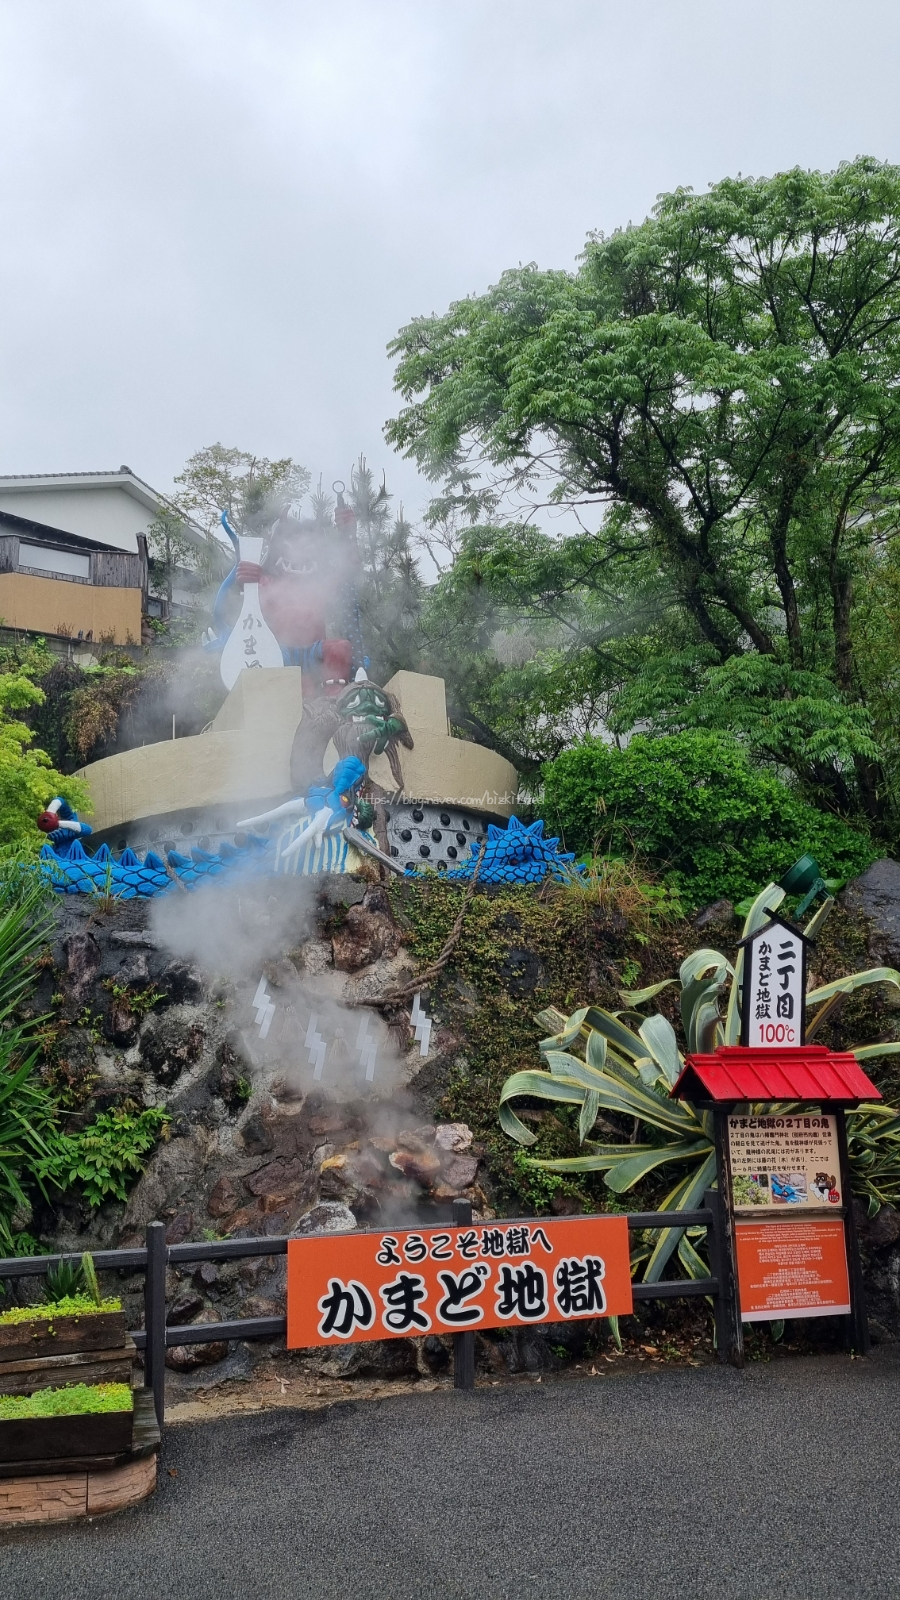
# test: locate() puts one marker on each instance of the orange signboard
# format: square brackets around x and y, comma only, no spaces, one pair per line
[381,1285]
[792,1269]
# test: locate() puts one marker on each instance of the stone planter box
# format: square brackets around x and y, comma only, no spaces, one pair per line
[105,1433]
[44,1336]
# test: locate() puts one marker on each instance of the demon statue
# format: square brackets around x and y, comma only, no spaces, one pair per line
[306,583]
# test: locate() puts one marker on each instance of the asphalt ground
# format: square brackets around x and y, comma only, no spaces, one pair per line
[779,1482]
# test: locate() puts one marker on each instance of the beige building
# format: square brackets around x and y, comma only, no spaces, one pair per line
[73,555]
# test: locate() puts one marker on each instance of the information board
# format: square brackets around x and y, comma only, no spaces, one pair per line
[784,1161]
[402,1284]
[797,1268]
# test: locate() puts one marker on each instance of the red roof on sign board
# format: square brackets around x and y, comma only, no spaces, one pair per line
[808,1072]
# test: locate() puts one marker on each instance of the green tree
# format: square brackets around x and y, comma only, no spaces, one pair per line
[28,779]
[713,398]
[219,478]
[173,549]
[390,587]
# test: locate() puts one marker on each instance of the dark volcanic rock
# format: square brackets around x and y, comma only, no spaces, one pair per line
[883,1229]
[258,1133]
[876,893]
[435,1354]
[181,981]
[225,1197]
[367,934]
[279,1180]
[522,972]
[82,957]
[180,1227]
[172,1042]
[382,1358]
[187,1357]
[183,1309]
[329,1216]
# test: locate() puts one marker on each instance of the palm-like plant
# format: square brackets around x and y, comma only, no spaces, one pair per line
[631,1073]
[26,1111]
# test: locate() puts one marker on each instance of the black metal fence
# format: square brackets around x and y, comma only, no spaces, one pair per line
[157,1334]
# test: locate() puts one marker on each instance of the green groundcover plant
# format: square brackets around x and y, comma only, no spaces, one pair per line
[79,1399]
[76,1305]
[698,810]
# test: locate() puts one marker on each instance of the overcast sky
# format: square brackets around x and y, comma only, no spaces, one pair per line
[216,213]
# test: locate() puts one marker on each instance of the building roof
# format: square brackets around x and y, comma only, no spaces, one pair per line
[41,534]
[807,1072]
[122,479]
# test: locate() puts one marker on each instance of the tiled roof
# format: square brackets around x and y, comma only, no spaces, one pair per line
[808,1072]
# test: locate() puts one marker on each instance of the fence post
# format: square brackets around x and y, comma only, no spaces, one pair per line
[860,1339]
[712,1201]
[463,1343]
[155,1317]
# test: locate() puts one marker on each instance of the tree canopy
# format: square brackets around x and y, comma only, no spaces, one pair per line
[712,398]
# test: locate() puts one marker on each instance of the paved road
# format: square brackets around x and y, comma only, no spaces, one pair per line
[776,1483]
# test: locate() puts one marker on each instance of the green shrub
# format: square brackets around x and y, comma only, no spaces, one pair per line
[79,1399]
[693,805]
[105,1156]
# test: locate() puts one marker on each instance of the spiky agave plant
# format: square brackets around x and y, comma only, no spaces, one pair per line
[631,1073]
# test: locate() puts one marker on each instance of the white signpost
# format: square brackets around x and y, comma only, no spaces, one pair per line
[774,988]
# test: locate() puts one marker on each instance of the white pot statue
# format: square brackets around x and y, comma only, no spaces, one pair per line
[251,642]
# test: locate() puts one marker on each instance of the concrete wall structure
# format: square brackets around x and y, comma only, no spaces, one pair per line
[53,605]
[245,757]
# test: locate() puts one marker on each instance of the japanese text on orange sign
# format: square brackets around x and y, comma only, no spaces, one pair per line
[343,1287]
[791,1269]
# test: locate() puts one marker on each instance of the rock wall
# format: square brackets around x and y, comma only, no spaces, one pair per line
[256,1147]
[252,1148]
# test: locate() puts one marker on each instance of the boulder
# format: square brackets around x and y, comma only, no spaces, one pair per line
[258,1132]
[329,1216]
[187,1357]
[180,1227]
[435,1354]
[278,1182]
[353,1176]
[378,1358]
[172,1042]
[883,1229]
[184,1308]
[366,935]
[225,1197]
[121,1024]
[459,1172]
[453,1136]
[876,893]
[422,1165]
